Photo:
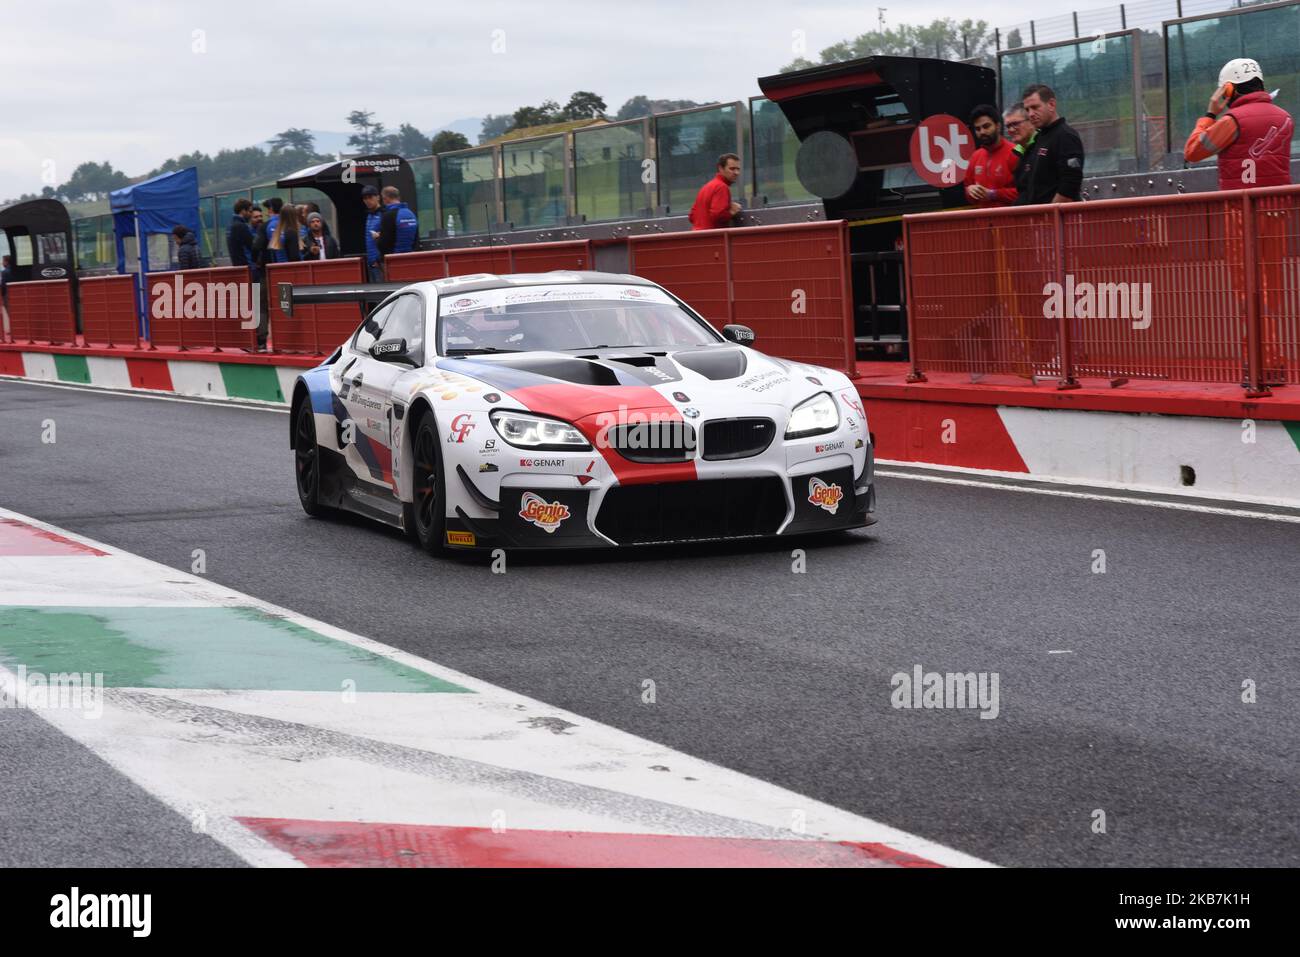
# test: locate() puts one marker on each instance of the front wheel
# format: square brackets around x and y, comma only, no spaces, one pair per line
[426,516]
[306,460]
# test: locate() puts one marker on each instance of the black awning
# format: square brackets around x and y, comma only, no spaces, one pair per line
[860,115]
[342,182]
[47,223]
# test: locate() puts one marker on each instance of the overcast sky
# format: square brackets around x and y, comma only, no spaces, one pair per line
[132,82]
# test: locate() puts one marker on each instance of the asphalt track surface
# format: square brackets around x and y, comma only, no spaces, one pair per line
[1118,691]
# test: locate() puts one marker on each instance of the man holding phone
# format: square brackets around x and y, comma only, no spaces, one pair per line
[1242,126]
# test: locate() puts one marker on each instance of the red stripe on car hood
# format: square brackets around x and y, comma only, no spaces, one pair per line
[593,409]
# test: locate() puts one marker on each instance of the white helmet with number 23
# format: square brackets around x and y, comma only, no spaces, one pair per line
[1239,71]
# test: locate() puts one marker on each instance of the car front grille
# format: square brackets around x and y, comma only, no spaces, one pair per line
[692,511]
[653,441]
[737,438]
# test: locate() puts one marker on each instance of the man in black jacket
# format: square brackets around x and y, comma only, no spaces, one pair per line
[1054,173]
[320,244]
[187,248]
[239,238]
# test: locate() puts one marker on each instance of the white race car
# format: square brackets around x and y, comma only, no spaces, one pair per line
[572,409]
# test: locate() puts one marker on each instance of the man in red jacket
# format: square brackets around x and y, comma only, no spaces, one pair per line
[714,207]
[990,177]
[1251,137]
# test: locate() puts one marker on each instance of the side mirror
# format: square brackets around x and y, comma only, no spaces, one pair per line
[741,335]
[391,350]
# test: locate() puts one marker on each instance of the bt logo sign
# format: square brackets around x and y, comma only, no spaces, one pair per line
[941,150]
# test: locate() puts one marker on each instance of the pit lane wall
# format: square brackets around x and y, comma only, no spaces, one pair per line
[1245,458]
[232,376]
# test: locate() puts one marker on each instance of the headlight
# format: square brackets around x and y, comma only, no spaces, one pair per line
[813,417]
[535,432]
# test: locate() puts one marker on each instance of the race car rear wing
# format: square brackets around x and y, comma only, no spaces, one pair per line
[290,295]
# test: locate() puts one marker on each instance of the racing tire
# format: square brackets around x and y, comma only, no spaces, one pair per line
[307,461]
[425,517]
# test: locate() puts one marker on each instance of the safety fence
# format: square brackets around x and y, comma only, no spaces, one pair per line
[532,257]
[317,329]
[42,312]
[202,309]
[1197,288]
[790,284]
[108,312]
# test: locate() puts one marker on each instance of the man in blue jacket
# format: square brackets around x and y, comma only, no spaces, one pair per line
[374,213]
[398,226]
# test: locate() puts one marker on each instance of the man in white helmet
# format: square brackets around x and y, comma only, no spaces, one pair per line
[1252,139]
[1249,133]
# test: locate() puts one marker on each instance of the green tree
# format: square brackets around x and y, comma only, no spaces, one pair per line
[294,138]
[369,134]
[945,39]
[92,181]
[635,106]
[494,126]
[548,112]
[407,141]
[449,140]
[584,105]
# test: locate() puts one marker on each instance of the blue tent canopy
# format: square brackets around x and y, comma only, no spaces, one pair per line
[154,206]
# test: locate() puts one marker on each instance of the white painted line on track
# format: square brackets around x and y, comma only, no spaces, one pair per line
[1087,483]
[157,396]
[1091,496]
[443,759]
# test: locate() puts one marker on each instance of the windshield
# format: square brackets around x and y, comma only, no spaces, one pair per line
[565,317]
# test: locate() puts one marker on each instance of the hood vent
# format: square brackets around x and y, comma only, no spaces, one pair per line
[577,371]
[714,363]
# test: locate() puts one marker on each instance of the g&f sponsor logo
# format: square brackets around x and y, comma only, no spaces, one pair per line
[853,402]
[941,149]
[545,515]
[823,495]
[460,428]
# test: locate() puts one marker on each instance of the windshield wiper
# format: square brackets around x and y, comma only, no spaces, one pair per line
[478,350]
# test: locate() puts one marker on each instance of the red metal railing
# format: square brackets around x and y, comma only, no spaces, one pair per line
[316,330]
[1197,288]
[202,309]
[108,311]
[790,284]
[41,311]
[526,257]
